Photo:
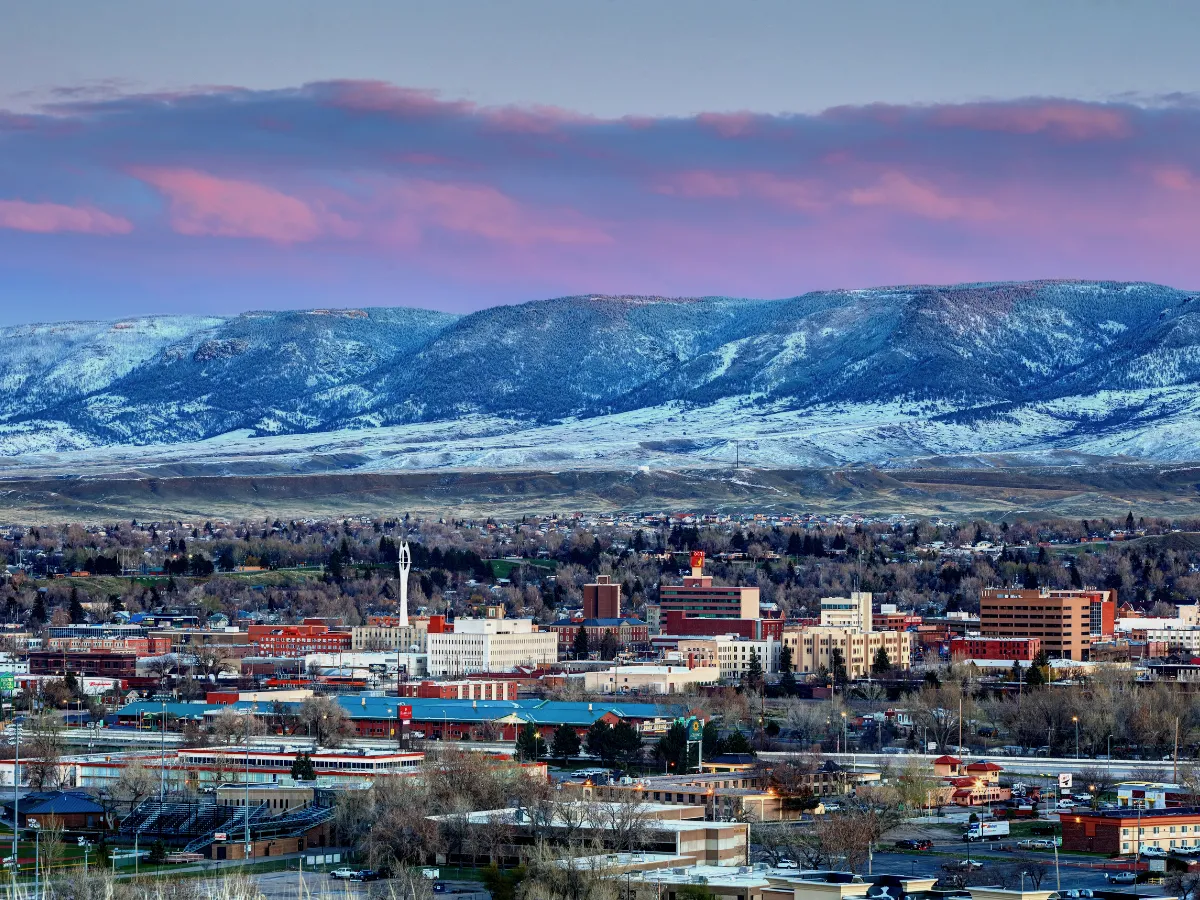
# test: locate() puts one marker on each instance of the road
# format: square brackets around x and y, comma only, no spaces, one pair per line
[1016,765]
[288,886]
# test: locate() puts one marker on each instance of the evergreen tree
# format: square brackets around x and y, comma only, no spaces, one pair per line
[600,742]
[837,666]
[565,743]
[302,768]
[753,676]
[672,749]
[627,744]
[530,744]
[581,643]
[738,743]
[78,616]
[608,645]
[1129,524]
[335,565]
[712,744]
[882,664]
[38,613]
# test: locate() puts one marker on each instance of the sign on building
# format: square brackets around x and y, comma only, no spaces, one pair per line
[1064,781]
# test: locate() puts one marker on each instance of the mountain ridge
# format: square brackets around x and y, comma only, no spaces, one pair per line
[869,376]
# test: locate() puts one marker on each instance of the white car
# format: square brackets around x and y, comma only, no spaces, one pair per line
[787,864]
[342,873]
[1155,852]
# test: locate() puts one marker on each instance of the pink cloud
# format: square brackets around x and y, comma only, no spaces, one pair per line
[49,218]
[203,204]
[1074,121]
[793,193]
[898,191]
[1175,178]
[485,212]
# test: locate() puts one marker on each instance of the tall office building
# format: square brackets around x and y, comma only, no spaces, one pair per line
[1067,621]
[602,600]
[699,597]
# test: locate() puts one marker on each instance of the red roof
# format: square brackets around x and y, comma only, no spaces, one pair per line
[984,767]
[947,761]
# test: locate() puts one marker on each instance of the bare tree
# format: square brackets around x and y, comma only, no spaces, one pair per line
[231,726]
[325,720]
[44,745]
[134,784]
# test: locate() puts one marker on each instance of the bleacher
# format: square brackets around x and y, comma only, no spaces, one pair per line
[192,822]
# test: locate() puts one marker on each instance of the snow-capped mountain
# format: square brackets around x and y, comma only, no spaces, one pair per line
[881,376]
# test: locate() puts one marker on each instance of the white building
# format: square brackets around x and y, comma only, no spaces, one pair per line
[651,679]
[847,612]
[734,654]
[490,645]
[368,664]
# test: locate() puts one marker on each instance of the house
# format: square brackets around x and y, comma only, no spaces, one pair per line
[74,810]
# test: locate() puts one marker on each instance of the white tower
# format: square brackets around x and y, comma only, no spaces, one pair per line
[405,565]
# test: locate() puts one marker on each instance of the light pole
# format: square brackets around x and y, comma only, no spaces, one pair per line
[16,801]
[37,857]
[162,757]
[1075,719]
[845,740]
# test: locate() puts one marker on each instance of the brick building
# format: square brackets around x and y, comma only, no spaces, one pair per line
[677,622]
[460,690]
[107,663]
[1124,831]
[1066,621]
[628,632]
[298,640]
[1023,649]
[699,596]
[602,600]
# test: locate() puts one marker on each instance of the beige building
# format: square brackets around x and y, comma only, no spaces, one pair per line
[847,612]
[390,637]
[812,648]
[278,798]
[490,645]
[648,679]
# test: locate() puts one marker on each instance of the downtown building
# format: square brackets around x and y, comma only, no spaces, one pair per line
[490,645]
[1066,621]
[699,597]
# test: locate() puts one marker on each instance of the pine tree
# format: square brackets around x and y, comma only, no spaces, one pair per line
[882,664]
[837,666]
[78,616]
[530,744]
[565,743]
[581,643]
[302,768]
[753,676]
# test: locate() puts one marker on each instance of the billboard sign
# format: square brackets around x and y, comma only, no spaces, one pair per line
[404,712]
[697,559]
[1064,781]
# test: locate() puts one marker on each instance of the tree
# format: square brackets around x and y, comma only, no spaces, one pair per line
[325,720]
[787,683]
[78,616]
[231,727]
[609,645]
[565,743]
[627,744]
[882,664]
[302,768]
[672,749]
[600,742]
[581,643]
[837,666]
[134,784]
[753,676]
[530,744]
[737,743]
[43,742]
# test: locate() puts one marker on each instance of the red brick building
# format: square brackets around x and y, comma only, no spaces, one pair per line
[107,663]
[678,623]
[298,640]
[460,690]
[1023,649]
[602,600]
[1117,830]
[628,632]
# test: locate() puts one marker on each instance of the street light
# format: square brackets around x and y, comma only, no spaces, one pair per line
[845,740]
[1075,719]
[37,856]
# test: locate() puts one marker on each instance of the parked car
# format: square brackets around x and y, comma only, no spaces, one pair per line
[365,875]
[1035,844]
[1065,804]
[344,873]
[1155,852]
[916,844]
[787,864]
[1121,878]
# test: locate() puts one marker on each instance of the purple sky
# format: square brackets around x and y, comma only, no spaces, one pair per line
[116,200]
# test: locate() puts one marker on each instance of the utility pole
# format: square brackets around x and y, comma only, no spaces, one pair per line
[1175,764]
[960,743]
[16,802]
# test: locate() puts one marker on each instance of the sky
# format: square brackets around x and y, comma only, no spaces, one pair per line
[222,156]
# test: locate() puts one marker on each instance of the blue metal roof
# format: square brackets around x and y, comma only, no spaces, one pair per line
[63,804]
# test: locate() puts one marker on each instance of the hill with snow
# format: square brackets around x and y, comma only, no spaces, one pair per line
[885,377]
